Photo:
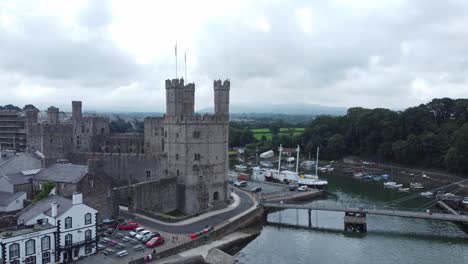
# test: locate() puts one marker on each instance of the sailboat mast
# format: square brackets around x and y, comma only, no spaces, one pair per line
[316,162]
[280,149]
[297,161]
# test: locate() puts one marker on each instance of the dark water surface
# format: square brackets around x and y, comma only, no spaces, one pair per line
[389,239]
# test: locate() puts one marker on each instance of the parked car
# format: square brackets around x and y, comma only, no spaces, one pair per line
[231,181]
[155,241]
[150,236]
[130,225]
[141,234]
[302,188]
[293,187]
[136,231]
[240,184]
[110,222]
[256,189]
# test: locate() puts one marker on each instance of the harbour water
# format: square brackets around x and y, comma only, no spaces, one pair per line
[389,239]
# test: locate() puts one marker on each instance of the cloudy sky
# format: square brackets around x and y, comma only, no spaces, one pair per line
[115,55]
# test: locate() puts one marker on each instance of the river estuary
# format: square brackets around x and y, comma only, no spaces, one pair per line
[389,239]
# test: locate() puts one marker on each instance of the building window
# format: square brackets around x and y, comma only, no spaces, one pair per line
[14,251]
[63,185]
[177,135]
[166,171]
[14,262]
[196,134]
[68,240]
[46,257]
[88,219]
[88,249]
[177,156]
[68,222]
[45,243]
[30,260]
[148,174]
[178,173]
[162,144]
[165,133]
[88,235]
[197,156]
[30,247]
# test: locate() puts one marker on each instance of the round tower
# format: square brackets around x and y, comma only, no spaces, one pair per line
[53,115]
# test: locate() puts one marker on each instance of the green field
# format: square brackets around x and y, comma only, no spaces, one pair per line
[260,132]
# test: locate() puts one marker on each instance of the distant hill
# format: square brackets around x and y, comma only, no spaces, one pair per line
[291,109]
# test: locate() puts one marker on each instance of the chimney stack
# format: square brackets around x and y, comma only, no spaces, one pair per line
[54,208]
[77,198]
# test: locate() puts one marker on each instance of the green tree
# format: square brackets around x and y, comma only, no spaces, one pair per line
[457,155]
[335,146]
[46,189]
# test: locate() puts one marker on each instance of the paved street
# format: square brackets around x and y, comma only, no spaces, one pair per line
[245,203]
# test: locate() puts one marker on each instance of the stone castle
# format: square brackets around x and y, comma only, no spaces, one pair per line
[180,163]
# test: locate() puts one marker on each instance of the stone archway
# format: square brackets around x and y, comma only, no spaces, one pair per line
[215,196]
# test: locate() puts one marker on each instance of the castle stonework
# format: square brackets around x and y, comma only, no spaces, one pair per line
[187,152]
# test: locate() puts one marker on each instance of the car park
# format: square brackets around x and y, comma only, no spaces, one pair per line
[240,184]
[130,225]
[155,241]
[122,253]
[141,234]
[136,231]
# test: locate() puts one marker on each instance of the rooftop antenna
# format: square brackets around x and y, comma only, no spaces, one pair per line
[176,59]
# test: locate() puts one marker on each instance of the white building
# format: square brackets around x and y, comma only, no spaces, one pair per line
[71,223]
[10,202]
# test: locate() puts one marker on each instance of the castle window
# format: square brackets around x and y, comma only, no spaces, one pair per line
[162,130]
[148,174]
[51,140]
[165,133]
[82,129]
[196,134]
[178,172]
[131,150]
[177,156]
[162,144]
[156,132]
[197,156]
[166,171]
[215,196]
[131,143]
[87,130]
[177,135]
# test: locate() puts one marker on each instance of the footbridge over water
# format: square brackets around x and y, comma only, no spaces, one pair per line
[355,217]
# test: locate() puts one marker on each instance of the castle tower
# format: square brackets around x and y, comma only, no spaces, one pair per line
[77,113]
[221,97]
[195,147]
[53,115]
[189,99]
[31,117]
[174,97]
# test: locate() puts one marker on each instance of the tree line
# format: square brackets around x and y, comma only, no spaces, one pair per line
[433,135]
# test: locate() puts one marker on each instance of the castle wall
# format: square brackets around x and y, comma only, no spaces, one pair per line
[154,196]
[55,141]
[124,169]
[118,144]
[154,135]
[86,128]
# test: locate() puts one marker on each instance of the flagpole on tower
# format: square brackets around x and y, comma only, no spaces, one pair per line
[185,59]
[176,59]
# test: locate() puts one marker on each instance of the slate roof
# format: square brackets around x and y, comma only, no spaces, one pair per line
[18,178]
[20,162]
[67,173]
[6,198]
[43,206]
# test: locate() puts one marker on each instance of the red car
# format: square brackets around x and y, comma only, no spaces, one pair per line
[155,241]
[130,225]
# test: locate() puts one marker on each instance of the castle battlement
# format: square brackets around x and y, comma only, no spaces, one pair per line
[222,85]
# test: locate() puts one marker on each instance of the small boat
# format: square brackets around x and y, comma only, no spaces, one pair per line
[396,186]
[416,185]
[358,174]
[240,167]
[366,177]
[308,163]
[385,176]
[404,189]
[377,178]
[267,155]
[389,183]
[427,194]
